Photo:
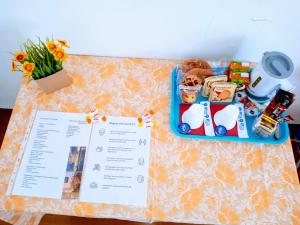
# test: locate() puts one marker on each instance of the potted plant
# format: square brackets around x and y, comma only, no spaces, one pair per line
[43,63]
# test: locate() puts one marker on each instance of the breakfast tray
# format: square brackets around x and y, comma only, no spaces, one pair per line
[175,117]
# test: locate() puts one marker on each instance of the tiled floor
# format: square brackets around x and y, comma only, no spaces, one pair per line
[68,220]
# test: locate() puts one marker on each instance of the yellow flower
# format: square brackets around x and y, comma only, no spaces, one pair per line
[20,56]
[63,43]
[60,54]
[28,68]
[51,46]
[13,66]
[88,119]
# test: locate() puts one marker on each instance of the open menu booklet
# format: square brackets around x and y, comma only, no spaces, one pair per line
[64,157]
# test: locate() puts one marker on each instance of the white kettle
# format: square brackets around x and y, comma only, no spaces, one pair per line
[269,75]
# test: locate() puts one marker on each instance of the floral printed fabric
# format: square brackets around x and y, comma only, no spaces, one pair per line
[21,218]
[190,180]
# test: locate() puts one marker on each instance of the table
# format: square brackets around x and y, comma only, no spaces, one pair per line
[190,180]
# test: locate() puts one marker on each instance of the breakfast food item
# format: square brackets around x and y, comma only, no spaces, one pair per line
[197,67]
[194,63]
[240,78]
[264,126]
[209,81]
[191,80]
[222,92]
[188,95]
[189,87]
[239,66]
[280,103]
[201,73]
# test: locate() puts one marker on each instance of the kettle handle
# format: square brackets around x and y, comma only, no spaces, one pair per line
[279,67]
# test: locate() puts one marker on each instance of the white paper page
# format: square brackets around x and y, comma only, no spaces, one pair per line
[43,167]
[116,170]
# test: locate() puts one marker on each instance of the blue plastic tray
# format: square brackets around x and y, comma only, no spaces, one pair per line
[176,101]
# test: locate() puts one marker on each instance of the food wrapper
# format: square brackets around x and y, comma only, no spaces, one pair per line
[209,81]
[222,92]
[239,66]
[240,77]
[189,94]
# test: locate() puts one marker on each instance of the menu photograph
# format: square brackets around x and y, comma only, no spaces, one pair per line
[74,171]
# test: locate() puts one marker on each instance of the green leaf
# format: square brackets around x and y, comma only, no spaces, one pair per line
[44,61]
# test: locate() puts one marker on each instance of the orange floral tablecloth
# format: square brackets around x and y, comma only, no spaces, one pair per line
[190,180]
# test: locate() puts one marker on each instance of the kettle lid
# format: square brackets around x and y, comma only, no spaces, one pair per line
[277,64]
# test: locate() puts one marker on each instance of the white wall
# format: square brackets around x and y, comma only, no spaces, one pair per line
[211,29]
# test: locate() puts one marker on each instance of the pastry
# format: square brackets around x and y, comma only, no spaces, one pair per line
[191,80]
[195,63]
[201,73]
